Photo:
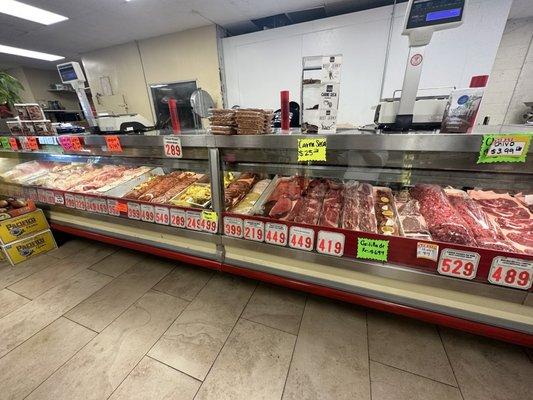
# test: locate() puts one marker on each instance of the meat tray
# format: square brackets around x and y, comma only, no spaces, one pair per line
[123,188]
[202,181]
[259,205]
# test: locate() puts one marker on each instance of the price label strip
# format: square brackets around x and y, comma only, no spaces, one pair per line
[147,213]
[276,234]
[194,220]
[233,227]
[458,263]
[79,202]
[254,230]
[134,210]
[511,272]
[372,249]
[113,144]
[330,243]
[162,215]
[504,148]
[178,218]
[312,149]
[301,238]
[209,221]
[113,207]
[172,147]
[70,200]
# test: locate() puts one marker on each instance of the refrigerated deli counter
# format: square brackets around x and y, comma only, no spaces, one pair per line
[410,224]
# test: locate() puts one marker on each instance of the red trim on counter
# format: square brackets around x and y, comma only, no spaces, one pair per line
[522,339]
[477,328]
[202,262]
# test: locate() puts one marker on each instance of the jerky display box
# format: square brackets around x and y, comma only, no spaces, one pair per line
[29,247]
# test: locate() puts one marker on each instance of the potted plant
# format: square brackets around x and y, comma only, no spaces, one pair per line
[9,93]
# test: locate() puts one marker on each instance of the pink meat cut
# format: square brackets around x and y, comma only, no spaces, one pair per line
[331,208]
[444,222]
[282,208]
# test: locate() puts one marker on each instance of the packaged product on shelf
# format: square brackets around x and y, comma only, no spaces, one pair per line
[22,111]
[44,128]
[11,207]
[284,197]
[358,210]
[222,117]
[246,205]
[28,128]
[386,213]
[513,219]
[222,130]
[485,233]
[332,206]
[412,223]
[35,112]
[15,127]
[238,189]
[253,121]
[197,195]
[444,222]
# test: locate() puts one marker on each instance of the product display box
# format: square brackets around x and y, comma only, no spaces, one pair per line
[29,247]
[13,229]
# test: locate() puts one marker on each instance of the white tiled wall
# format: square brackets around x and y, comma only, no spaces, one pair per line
[511,80]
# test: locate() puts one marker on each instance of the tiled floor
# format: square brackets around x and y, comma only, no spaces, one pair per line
[90,321]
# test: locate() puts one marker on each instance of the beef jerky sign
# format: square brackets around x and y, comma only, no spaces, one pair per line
[329,96]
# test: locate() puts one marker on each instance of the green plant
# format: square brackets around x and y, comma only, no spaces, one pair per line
[9,89]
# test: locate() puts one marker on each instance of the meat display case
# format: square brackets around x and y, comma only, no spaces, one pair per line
[286,222]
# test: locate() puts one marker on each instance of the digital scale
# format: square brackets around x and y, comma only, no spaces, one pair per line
[423,17]
[72,74]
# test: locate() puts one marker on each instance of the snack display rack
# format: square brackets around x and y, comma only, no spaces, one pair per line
[414,278]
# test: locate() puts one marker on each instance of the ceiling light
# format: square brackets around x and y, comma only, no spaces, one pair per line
[29,53]
[31,13]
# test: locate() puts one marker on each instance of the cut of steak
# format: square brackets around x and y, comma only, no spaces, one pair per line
[282,208]
[331,208]
[525,225]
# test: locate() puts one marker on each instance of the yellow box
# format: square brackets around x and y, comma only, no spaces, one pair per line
[19,227]
[27,248]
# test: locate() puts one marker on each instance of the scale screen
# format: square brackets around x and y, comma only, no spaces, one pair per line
[435,12]
[67,73]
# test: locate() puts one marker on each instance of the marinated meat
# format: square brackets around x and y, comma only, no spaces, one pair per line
[245,206]
[444,222]
[386,214]
[162,187]
[237,189]
[139,190]
[183,182]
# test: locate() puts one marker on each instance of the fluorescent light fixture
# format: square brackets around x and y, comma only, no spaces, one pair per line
[29,53]
[31,13]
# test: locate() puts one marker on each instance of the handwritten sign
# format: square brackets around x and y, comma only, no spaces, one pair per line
[210,215]
[70,143]
[13,143]
[5,143]
[312,149]
[113,144]
[504,148]
[372,249]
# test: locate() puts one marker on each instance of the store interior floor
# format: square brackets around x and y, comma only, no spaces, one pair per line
[91,321]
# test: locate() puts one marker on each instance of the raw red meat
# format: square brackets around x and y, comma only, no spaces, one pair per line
[523,238]
[516,224]
[358,211]
[331,208]
[307,209]
[282,208]
[502,207]
[444,223]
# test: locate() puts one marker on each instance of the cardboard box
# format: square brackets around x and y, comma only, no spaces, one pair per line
[13,229]
[16,212]
[32,246]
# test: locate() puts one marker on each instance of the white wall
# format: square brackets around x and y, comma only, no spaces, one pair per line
[260,64]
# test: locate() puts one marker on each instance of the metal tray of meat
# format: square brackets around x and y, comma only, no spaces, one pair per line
[204,181]
[258,208]
[121,181]
[125,187]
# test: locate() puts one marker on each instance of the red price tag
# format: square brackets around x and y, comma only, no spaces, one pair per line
[113,207]
[13,143]
[194,220]
[209,226]
[113,144]
[458,263]
[330,243]
[172,146]
[178,218]
[162,216]
[79,202]
[276,233]
[147,213]
[134,210]
[233,227]
[66,143]
[301,238]
[254,230]
[70,201]
[511,272]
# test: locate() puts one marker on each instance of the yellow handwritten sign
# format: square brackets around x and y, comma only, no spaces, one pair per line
[312,149]
[209,216]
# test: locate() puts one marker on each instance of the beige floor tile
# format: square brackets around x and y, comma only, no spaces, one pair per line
[487,369]
[156,381]
[193,341]
[185,281]
[393,384]
[117,263]
[101,366]
[276,307]
[23,323]
[10,301]
[100,309]
[409,345]
[252,365]
[70,248]
[9,275]
[330,360]
[36,359]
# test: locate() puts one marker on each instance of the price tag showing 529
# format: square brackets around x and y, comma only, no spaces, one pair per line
[458,263]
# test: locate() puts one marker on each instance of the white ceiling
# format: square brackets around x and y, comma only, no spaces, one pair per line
[95,24]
